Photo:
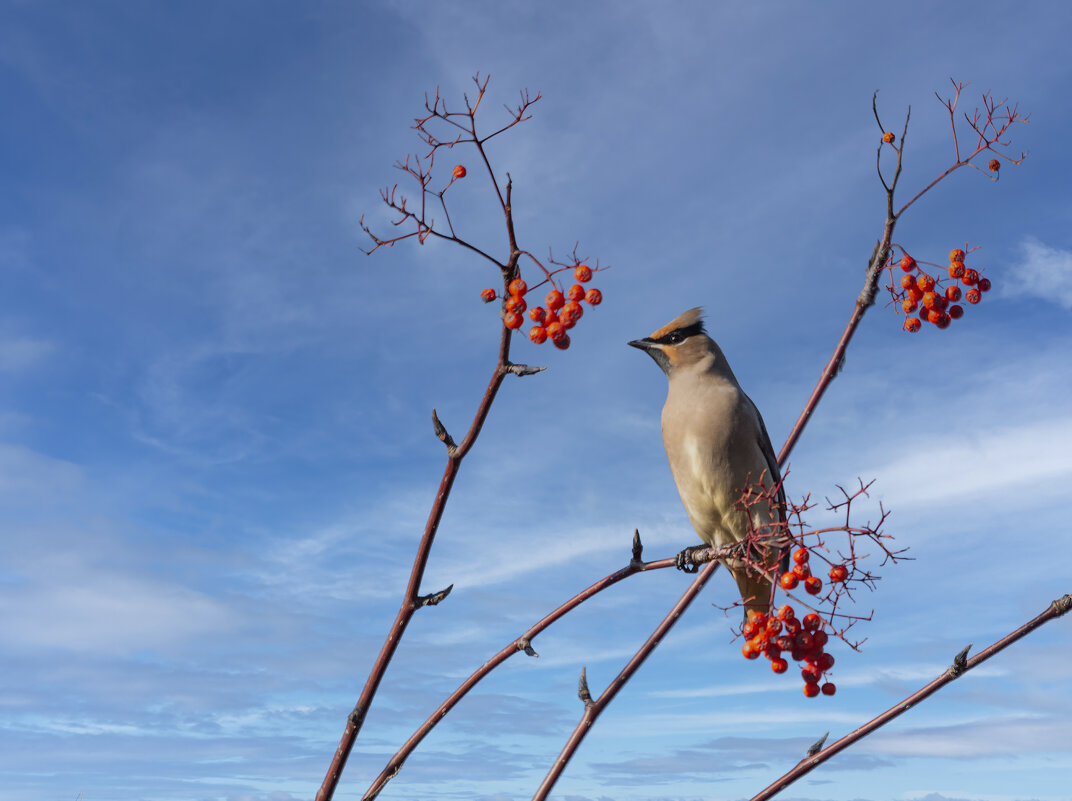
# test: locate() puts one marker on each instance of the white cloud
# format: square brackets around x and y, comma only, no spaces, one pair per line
[1043,272]
[18,353]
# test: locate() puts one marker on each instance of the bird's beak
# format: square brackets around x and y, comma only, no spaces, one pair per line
[642,344]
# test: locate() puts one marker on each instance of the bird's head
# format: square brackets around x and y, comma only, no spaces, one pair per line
[682,342]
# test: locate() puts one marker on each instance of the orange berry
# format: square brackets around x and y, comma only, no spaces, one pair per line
[785,612]
[984,285]
[513,320]
[562,342]
[956,269]
[887,137]
[909,305]
[993,165]
[555,300]
[789,580]
[829,688]
[908,264]
[801,555]
[973,296]
[943,321]
[593,296]
[518,287]
[915,295]
[487,295]
[459,171]
[970,277]
[813,585]
[779,665]
[575,292]
[907,282]
[749,651]
[811,689]
[773,627]
[583,273]
[516,303]
[952,293]
[556,330]
[956,255]
[749,629]
[925,283]
[838,573]
[956,312]
[933,316]
[537,314]
[538,334]
[930,300]
[812,621]
[912,324]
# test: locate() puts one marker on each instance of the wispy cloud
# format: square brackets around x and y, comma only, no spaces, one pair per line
[1043,272]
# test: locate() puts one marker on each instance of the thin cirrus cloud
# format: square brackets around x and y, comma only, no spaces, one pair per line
[1043,272]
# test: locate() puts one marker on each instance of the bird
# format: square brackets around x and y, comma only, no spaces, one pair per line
[718,447]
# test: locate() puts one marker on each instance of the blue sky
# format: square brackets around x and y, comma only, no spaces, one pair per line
[215,449]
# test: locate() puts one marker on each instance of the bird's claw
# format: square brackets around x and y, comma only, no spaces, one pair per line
[684,562]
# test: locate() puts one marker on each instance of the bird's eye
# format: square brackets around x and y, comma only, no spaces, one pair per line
[675,337]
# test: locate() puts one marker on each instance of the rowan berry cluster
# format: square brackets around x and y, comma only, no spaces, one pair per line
[561,313]
[803,639]
[923,293]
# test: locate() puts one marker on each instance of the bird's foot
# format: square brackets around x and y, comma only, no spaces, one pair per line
[684,561]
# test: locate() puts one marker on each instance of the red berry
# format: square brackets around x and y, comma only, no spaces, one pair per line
[812,621]
[930,300]
[812,585]
[459,171]
[907,282]
[993,165]
[838,573]
[984,284]
[789,581]
[516,303]
[956,270]
[912,324]
[513,320]
[908,264]
[820,638]
[575,292]
[487,295]
[952,293]
[804,641]
[537,314]
[573,309]
[956,255]
[562,342]
[915,295]
[556,331]
[970,277]
[583,273]
[811,689]
[749,651]
[785,642]
[538,334]
[802,571]
[555,300]
[943,321]
[973,296]
[887,137]
[773,627]
[933,316]
[518,287]
[792,625]
[829,688]
[925,283]
[593,296]
[801,555]
[779,665]
[956,312]
[826,661]
[785,612]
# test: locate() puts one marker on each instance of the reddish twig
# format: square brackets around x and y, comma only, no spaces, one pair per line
[959,667]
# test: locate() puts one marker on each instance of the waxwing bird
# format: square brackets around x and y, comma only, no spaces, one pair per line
[717,447]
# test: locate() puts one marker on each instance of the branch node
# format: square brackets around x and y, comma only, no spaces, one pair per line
[638,546]
[524,645]
[442,435]
[1062,605]
[817,746]
[582,690]
[960,662]
[354,718]
[522,369]
[434,598]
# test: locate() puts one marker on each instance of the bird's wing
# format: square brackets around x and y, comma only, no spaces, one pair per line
[775,472]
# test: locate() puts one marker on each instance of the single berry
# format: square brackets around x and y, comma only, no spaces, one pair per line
[562,342]
[956,269]
[518,287]
[811,689]
[907,282]
[538,334]
[829,688]
[821,638]
[956,312]
[912,324]
[909,305]
[537,314]
[779,665]
[566,319]
[575,292]
[993,165]
[970,278]
[785,612]
[956,255]
[804,641]
[933,316]
[555,300]
[556,331]
[838,573]
[487,295]
[773,627]
[826,661]
[792,625]
[943,321]
[925,283]
[930,300]
[952,293]
[583,273]
[812,585]
[789,581]
[749,629]
[908,264]
[915,295]
[801,555]
[516,303]
[459,171]
[812,621]
[887,137]
[593,296]
[973,296]
[802,571]
[749,651]
[984,285]
[513,320]
[573,309]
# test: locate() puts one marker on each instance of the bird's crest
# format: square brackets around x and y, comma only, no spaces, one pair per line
[693,318]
